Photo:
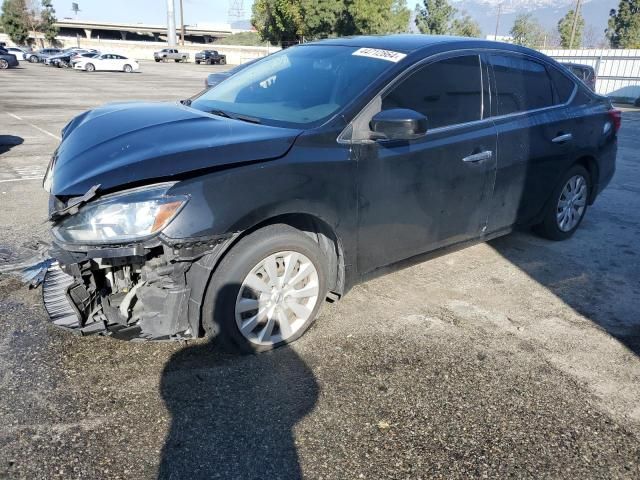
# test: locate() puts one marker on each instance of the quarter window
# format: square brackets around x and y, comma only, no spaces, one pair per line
[521,84]
[564,86]
[447,92]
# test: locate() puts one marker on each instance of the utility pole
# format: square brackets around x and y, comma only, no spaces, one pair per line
[181,24]
[495,36]
[576,13]
[171,24]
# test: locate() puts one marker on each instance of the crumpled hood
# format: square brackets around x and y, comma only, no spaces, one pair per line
[120,144]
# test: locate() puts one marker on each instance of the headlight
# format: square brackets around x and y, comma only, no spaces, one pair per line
[123,217]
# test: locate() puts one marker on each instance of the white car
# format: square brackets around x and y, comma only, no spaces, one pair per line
[20,53]
[107,61]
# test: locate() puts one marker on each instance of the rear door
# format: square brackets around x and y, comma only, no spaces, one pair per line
[535,138]
[419,195]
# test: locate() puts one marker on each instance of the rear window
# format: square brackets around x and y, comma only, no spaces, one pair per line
[521,84]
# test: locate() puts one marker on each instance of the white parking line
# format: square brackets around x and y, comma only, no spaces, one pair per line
[13,115]
[21,179]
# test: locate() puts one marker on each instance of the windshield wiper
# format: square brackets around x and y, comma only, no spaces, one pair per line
[236,116]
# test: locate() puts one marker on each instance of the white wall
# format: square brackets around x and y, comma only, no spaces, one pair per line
[618,70]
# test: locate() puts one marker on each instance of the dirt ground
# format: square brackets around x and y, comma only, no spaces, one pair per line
[516,358]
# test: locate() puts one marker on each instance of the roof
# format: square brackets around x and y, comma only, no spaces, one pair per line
[404,43]
[410,43]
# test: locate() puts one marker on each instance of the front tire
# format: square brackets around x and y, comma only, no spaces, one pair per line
[267,290]
[3,64]
[128,69]
[568,205]
[33,59]
[223,61]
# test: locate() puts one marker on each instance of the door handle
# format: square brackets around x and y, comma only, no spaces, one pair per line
[563,138]
[478,157]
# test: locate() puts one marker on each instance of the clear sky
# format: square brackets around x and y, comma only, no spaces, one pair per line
[148,11]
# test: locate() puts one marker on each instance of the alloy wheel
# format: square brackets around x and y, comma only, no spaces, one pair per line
[277,298]
[3,64]
[572,203]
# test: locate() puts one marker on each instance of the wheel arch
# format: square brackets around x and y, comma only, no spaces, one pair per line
[591,165]
[312,225]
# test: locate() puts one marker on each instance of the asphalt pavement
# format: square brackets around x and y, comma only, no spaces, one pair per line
[517,358]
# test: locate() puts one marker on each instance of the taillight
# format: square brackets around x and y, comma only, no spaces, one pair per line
[615,116]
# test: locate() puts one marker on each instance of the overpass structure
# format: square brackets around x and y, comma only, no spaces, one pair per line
[139,31]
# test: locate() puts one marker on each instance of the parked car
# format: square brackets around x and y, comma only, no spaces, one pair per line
[42,54]
[107,61]
[81,56]
[7,60]
[211,57]
[167,54]
[214,79]
[238,212]
[64,59]
[586,73]
[19,52]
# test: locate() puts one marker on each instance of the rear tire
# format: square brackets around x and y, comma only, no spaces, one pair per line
[197,62]
[223,61]
[157,60]
[567,206]
[176,60]
[298,277]
[90,67]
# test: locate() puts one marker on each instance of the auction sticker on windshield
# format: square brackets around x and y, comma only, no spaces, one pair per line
[389,55]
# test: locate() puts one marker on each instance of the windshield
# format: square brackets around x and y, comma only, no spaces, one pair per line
[294,87]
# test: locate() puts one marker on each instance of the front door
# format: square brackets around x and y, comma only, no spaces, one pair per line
[424,194]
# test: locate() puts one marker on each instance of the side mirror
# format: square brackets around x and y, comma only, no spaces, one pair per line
[398,124]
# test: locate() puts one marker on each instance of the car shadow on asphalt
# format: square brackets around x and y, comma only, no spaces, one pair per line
[233,416]
[587,285]
[7,142]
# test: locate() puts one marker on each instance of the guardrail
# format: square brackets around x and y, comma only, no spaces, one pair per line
[618,71]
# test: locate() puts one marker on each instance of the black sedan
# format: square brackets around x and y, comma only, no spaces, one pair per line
[237,213]
[7,60]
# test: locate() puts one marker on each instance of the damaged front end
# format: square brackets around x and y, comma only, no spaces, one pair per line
[149,289]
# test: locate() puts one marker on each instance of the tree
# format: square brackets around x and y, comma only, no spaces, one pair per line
[293,20]
[47,22]
[14,20]
[465,26]
[278,20]
[623,30]
[366,17]
[526,31]
[321,17]
[435,17]
[565,26]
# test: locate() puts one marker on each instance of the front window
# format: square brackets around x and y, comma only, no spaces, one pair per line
[297,86]
[447,92]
